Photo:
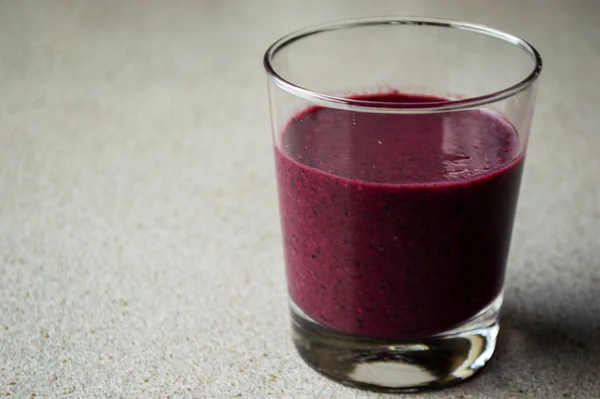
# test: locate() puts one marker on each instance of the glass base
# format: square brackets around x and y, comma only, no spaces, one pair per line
[391,365]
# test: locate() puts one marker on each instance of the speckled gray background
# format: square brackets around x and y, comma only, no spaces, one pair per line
[139,241]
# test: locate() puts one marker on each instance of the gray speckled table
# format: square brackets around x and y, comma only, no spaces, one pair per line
[139,241]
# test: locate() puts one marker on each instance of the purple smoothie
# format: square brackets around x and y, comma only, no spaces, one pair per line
[396,225]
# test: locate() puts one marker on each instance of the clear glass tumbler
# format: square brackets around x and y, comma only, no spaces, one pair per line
[399,146]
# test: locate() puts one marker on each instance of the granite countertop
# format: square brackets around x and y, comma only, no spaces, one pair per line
[139,237]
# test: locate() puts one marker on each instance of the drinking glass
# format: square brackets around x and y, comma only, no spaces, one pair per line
[399,147]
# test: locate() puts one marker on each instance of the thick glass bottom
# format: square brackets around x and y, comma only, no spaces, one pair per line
[398,365]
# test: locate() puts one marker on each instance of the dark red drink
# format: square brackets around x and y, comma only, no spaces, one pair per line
[397,225]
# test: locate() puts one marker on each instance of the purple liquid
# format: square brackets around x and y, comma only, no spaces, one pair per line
[396,226]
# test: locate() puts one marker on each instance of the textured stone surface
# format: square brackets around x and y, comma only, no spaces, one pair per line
[139,240]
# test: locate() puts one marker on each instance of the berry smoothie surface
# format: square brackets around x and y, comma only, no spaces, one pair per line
[396,225]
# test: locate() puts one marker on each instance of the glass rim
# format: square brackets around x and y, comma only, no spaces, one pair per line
[347,103]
